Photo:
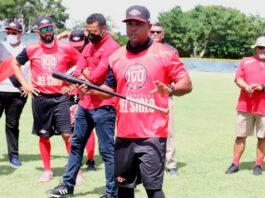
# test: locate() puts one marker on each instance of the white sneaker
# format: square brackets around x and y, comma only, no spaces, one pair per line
[79,179]
[46,176]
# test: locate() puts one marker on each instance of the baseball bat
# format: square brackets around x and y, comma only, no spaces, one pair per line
[74,80]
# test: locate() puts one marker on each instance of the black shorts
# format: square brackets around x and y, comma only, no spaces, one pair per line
[51,113]
[140,160]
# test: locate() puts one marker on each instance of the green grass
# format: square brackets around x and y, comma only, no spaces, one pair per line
[204,122]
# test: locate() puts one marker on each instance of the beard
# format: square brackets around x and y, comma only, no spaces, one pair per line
[47,39]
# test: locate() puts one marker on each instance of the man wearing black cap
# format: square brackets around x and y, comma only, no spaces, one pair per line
[50,104]
[11,99]
[142,69]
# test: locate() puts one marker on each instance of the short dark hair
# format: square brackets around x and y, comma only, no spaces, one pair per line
[96,18]
[157,24]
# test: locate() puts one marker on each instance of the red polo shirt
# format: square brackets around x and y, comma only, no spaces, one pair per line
[251,70]
[95,58]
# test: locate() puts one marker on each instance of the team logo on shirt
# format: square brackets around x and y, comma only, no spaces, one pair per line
[135,76]
[120,179]
[49,62]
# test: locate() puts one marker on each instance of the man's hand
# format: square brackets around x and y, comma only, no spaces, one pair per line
[161,88]
[29,90]
[84,90]
[68,88]
[256,86]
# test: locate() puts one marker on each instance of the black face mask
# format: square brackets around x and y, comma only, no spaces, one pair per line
[94,38]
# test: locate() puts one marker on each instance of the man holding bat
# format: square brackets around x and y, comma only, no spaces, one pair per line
[142,69]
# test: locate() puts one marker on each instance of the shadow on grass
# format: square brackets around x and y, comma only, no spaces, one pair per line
[247,165]
[32,157]
[6,170]
[99,190]
[181,164]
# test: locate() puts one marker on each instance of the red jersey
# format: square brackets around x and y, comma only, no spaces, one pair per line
[95,58]
[44,60]
[135,74]
[251,70]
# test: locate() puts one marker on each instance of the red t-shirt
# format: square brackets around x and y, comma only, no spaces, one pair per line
[95,58]
[251,70]
[43,61]
[135,74]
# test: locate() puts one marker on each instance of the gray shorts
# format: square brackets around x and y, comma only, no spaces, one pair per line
[247,122]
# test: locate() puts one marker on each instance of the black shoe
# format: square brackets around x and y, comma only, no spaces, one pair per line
[257,170]
[232,169]
[61,191]
[107,196]
[15,162]
[172,172]
[91,165]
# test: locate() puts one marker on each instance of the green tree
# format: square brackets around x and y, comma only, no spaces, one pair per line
[212,31]
[30,10]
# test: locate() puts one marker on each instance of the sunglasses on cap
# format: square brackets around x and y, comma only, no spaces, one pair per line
[46,29]
[153,32]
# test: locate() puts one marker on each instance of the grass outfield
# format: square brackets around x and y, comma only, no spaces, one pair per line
[205,122]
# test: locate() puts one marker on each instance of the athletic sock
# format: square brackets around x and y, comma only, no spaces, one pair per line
[155,193]
[68,146]
[45,152]
[125,192]
[90,146]
[236,160]
[259,161]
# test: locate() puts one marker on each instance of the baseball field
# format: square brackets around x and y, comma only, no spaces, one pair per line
[204,122]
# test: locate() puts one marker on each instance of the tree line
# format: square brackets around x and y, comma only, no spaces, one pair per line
[204,31]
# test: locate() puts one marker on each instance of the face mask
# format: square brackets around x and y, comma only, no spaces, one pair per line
[262,56]
[94,38]
[12,39]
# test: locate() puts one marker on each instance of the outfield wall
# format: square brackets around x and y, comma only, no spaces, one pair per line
[210,65]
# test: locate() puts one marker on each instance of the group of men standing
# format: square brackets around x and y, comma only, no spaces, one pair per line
[140,136]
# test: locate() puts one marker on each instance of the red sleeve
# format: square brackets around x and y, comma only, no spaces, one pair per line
[176,69]
[81,63]
[73,55]
[240,73]
[98,75]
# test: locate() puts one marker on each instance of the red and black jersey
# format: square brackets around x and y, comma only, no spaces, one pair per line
[134,74]
[44,60]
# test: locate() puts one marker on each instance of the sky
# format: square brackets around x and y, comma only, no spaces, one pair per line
[79,10]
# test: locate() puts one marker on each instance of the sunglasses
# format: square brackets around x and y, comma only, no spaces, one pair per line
[153,32]
[46,29]
[260,47]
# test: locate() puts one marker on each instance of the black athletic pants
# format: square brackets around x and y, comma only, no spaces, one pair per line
[12,104]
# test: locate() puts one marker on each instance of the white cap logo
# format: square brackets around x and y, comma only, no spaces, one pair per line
[12,24]
[76,38]
[134,12]
[44,21]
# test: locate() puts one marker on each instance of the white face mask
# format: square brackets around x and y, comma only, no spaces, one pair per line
[262,56]
[12,39]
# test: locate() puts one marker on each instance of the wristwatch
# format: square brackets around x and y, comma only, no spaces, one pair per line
[263,88]
[172,89]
